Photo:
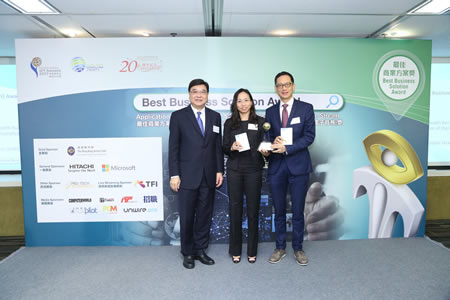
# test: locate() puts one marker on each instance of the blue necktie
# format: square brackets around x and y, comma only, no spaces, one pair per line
[200,123]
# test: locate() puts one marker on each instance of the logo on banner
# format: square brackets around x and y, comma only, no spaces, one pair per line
[79,185]
[39,70]
[108,168]
[145,184]
[81,168]
[84,210]
[102,200]
[90,150]
[79,200]
[35,64]
[139,182]
[151,199]
[127,199]
[71,150]
[399,80]
[110,209]
[78,64]
[141,64]
[134,210]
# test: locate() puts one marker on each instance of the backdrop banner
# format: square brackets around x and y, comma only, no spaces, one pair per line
[94,116]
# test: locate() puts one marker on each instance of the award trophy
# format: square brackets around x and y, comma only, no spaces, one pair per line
[265,144]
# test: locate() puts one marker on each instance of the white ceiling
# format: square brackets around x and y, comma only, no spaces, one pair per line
[310,18]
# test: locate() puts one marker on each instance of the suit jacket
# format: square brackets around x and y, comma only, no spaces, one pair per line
[255,137]
[297,157]
[190,153]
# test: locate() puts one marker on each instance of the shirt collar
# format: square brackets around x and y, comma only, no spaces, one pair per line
[195,110]
[290,103]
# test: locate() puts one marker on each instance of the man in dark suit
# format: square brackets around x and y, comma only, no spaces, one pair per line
[289,163]
[196,168]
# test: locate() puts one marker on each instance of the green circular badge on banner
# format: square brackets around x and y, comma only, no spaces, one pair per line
[399,75]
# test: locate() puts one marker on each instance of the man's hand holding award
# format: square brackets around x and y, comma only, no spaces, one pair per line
[285,138]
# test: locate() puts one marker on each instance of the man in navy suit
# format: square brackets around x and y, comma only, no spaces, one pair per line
[289,163]
[196,170]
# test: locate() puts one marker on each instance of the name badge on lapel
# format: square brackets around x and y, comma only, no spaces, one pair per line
[252,126]
[216,129]
[295,120]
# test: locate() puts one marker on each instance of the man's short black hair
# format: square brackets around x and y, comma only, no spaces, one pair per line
[284,73]
[198,81]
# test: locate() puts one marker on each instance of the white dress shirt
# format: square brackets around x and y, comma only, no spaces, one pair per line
[290,103]
[202,115]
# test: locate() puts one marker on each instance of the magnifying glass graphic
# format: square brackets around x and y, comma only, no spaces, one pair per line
[333,100]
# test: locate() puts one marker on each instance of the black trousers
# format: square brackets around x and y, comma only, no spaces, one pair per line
[196,209]
[240,183]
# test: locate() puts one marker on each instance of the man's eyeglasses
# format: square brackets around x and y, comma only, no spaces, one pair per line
[283,85]
[195,92]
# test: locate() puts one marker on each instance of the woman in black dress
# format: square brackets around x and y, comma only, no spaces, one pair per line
[244,172]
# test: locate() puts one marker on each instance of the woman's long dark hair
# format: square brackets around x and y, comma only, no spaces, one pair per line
[235,116]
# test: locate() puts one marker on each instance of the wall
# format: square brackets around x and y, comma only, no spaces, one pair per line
[438,200]
[11,211]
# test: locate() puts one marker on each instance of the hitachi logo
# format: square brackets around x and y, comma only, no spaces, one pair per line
[81,166]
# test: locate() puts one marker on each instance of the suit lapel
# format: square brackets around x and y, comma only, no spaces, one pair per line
[208,123]
[295,106]
[277,114]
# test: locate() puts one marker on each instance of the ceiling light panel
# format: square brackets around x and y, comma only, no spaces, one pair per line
[32,6]
[433,7]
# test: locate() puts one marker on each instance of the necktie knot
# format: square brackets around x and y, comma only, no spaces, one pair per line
[285,106]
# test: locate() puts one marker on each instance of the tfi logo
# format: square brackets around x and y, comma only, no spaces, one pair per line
[145,184]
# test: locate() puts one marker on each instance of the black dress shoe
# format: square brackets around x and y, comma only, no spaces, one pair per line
[204,259]
[252,259]
[189,262]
